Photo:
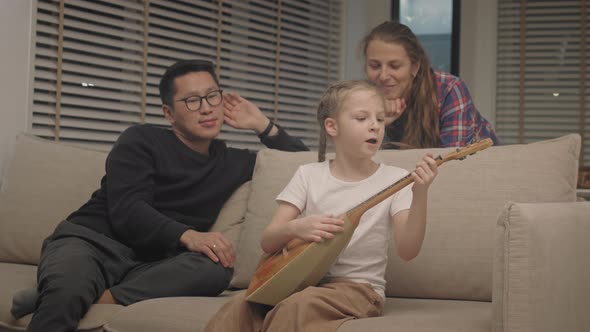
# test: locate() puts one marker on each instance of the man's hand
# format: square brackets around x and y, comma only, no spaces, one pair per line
[242,114]
[394,109]
[212,244]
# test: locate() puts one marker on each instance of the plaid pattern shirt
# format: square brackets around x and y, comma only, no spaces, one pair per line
[460,122]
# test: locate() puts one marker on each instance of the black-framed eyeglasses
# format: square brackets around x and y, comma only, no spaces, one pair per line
[194,103]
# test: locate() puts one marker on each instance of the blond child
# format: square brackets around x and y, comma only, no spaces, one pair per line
[352,115]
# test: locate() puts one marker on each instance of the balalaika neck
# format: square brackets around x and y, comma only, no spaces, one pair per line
[355,213]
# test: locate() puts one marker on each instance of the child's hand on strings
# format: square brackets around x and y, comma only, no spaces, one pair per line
[316,228]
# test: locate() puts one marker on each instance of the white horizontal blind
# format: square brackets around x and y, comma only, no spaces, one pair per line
[176,30]
[88,70]
[281,55]
[309,53]
[542,78]
[250,38]
[98,62]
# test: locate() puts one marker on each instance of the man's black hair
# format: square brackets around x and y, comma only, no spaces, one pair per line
[181,68]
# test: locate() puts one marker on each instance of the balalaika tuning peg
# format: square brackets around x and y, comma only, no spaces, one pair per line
[457,150]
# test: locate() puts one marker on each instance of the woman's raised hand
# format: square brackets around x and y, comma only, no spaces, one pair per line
[394,109]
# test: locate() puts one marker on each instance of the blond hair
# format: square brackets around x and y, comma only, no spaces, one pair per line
[331,102]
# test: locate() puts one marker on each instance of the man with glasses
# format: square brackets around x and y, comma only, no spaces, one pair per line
[144,233]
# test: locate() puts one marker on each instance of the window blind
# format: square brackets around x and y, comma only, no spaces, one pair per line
[542,71]
[98,62]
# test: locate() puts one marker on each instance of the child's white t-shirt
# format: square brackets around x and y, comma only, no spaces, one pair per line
[314,190]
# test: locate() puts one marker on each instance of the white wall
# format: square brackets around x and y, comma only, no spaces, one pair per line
[477,58]
[15,36]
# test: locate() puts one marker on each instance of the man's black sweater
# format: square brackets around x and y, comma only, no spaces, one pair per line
[156,188]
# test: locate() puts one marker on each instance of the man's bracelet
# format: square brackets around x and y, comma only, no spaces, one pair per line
[266,130]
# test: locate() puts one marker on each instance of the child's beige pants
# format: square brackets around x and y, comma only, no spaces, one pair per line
[321,308]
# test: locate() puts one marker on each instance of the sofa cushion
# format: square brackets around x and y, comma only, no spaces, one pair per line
[173,314]
[419,315]
[181,314]
[45,182]
[464,202]
[541,270]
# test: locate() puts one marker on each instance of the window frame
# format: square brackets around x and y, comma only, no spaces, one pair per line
[455,32]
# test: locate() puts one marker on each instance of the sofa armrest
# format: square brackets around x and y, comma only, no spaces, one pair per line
[541,270]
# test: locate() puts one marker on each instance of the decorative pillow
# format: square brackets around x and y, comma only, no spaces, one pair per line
[45,182]
[464,202]
[232,214]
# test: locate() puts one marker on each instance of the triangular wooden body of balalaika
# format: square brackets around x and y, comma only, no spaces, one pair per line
[290,271]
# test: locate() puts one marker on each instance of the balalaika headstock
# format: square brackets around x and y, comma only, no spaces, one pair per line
[462,153]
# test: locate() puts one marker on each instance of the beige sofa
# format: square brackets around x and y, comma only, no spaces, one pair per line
[506,247]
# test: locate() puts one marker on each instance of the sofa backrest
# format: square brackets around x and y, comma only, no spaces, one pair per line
[464,202]
[44,183]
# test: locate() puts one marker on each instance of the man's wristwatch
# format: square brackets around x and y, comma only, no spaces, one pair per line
[266,130]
